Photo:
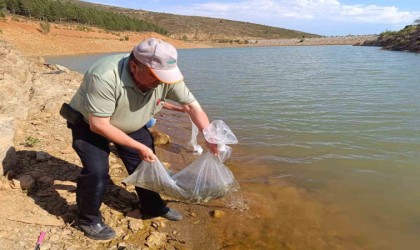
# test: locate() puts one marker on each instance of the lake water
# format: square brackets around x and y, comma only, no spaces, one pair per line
[329,152]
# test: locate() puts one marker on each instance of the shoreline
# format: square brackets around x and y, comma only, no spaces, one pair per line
[70,39]
[279,214]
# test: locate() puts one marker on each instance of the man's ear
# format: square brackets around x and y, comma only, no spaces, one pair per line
[133,66]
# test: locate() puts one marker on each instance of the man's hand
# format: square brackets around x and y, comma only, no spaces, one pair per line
[102,126]
[146,154]
[213,148]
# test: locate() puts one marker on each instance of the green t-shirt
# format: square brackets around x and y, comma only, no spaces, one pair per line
[108,90]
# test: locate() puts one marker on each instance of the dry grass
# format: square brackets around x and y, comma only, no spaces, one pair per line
[195,28]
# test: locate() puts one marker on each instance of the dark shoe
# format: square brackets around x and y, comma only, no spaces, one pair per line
[172,215]
[98,231]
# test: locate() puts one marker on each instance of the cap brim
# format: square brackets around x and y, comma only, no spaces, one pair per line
[170,76]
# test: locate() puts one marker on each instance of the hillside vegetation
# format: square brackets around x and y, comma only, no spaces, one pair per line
[53,11]
[195,28]
[407,39]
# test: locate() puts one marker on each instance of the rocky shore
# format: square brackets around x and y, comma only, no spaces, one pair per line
[39,169]
[407,39]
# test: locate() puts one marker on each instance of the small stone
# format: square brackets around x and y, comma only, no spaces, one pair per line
[160,138]
[135,225]
[166,164]
[155,225]
[122,246]
[156,239]
[217,213]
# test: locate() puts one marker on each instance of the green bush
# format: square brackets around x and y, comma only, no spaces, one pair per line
[387,33]
[31,141]
[83,28]
[45,27]
[55,10]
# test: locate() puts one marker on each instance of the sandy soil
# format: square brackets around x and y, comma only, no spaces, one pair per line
[68,39]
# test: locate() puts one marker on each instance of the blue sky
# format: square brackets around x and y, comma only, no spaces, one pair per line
[323,17]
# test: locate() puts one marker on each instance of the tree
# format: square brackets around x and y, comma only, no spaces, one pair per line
[13,6]
[417,22]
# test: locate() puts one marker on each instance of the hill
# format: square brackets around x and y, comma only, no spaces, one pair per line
[69,38]
[407,39]
[196,28]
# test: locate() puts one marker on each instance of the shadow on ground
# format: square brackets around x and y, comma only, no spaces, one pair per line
[55,185]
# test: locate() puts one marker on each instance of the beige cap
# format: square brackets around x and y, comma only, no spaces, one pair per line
[161,58]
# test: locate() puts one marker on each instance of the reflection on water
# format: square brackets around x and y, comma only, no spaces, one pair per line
[328,143]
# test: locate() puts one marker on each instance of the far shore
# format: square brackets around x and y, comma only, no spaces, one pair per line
[66,39]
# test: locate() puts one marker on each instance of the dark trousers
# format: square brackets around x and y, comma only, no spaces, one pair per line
[93,150]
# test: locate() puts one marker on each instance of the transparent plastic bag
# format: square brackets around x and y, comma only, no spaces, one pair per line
[155,177]
[205,179]
[197,149]
[219,133]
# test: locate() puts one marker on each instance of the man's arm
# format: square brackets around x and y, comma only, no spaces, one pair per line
[103,126]
[170,106]
[200,119]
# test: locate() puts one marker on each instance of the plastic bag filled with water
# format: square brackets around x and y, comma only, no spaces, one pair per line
[154,176]
[205,179]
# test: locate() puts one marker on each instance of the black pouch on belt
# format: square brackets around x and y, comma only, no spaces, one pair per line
[71,115]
